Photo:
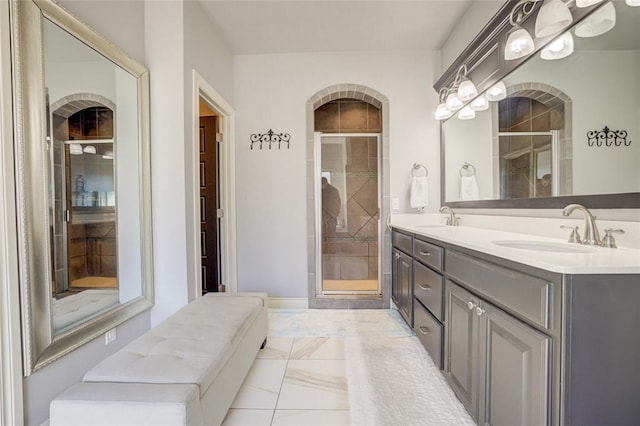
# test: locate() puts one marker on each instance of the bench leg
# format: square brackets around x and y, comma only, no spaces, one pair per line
[264,343]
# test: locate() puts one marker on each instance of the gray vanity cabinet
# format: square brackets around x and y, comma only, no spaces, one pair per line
[498,366]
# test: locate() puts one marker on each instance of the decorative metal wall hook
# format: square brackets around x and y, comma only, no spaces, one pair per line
[607,137]
[270,138]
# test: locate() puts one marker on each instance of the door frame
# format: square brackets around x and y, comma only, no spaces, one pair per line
[227,194]
[318,211]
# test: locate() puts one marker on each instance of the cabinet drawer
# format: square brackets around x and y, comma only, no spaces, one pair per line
[428,254]
[402,241]
[427,287]
[429,331]
[525,295]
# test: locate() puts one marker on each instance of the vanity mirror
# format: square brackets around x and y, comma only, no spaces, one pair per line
[568,129]
[82,147]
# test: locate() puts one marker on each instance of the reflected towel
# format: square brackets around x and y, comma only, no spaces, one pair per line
[469,188]
[419,192]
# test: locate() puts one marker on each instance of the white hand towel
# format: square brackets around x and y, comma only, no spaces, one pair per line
[469,188]
[419,192]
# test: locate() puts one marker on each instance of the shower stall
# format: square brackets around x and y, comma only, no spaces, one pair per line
[347,188]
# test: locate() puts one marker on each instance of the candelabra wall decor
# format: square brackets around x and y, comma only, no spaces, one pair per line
[607,137]
[270,138]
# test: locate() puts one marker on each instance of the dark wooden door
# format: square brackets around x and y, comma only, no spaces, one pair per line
[209,241]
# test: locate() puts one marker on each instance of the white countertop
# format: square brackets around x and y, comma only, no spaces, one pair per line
[595,260]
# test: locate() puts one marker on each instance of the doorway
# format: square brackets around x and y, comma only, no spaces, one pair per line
[348,209]
[209,170]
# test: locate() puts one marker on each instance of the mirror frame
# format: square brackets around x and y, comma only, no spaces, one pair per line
[41,345]
[486,66]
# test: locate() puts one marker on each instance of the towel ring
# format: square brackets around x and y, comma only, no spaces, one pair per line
[465,169]
[418,166]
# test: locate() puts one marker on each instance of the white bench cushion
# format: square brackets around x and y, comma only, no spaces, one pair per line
[109,404]
[184,348]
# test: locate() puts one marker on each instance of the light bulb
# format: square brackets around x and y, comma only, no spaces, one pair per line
[519,43]
[586,3]
[467,90]
[559,48]
[453,102]
[466,113]
[599,22]
[75,149]
[480,103]
[554,16]
[442,113]
[497,92]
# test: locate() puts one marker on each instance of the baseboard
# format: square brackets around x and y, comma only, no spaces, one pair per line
[288,302]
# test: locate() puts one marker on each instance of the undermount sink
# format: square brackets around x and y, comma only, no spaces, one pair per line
[543,246]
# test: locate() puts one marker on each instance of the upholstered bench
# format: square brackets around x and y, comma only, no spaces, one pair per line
[185,371]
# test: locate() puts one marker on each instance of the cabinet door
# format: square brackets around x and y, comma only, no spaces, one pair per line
[405,287]
[461,346]
[514,370]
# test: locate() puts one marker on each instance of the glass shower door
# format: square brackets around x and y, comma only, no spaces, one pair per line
[348,188]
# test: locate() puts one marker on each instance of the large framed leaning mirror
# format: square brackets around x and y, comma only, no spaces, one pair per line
[565,128]
[83,181]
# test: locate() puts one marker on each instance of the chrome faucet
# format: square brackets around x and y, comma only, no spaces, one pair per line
[452,220]
[591,234]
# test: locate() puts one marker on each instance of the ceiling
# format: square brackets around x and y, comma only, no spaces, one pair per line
[264,26]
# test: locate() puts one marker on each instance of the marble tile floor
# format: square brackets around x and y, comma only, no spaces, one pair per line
[343,367]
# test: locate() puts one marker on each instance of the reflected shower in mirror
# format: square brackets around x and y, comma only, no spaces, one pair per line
[535,143]
[85,225]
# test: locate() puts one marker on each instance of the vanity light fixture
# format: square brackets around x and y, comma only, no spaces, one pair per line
[453,102]
[466,113]
[554,16]
[559,48]
[497,92]
[587,3]
[75,149]
[442,112]
[466,90]
[519,41]
[480,103]
[632,2]
[89,149]
[599,22]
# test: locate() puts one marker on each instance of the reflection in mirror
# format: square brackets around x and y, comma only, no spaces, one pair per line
[92,115]
[536,143]
[84,233]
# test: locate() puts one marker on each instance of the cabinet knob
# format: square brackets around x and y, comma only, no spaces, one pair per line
[424,253]
[397,255]
[424,330]
[480,311]
[424,287]
[471,305]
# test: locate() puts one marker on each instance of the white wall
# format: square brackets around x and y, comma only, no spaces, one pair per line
[467,28]
[206,52]
[271,92]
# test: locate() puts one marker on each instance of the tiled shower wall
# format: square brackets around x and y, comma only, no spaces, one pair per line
[352,254]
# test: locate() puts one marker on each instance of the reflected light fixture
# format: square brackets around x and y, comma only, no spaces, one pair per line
[480,103]
[453,102]
[519,41]
[559,48]
[466,113]
[554,16]
[599,22]
[89,149]
[497,92]
[632,2]
[587,3]
[75,149]
[108,155]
